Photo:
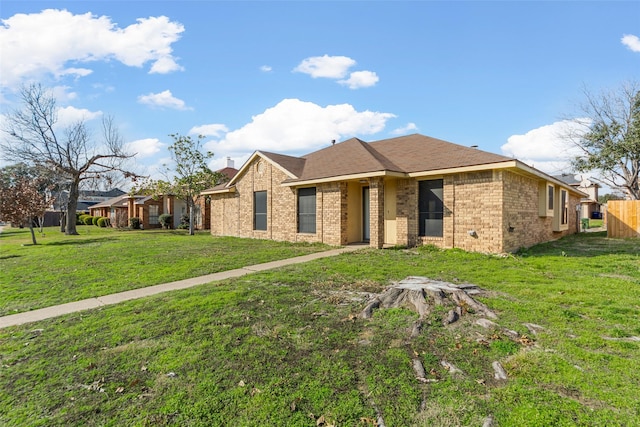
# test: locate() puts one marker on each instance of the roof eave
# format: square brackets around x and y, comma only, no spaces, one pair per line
[231,189]
[349,177]
[460,169]
[533,171]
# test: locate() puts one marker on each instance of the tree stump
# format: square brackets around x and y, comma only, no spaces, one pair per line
[422,294]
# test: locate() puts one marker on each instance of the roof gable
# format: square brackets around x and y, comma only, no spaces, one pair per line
[291,166]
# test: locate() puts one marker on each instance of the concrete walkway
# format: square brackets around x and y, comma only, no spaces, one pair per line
[88,304]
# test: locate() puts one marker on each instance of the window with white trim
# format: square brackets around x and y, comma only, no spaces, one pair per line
[153,214]
[547,199]
[564,207]
[561,211]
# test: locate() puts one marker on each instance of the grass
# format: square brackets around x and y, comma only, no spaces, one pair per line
[283,347]
[103,261]
[596,223]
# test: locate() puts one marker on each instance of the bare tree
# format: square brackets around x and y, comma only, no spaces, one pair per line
[71,153]
[609,138]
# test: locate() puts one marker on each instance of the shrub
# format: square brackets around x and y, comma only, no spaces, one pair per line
[95,219]
[134,223]
[166,220]
[88,220]
[80,218]
[184,222]
[104,222]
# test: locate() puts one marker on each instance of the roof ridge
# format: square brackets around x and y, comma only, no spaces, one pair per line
[384,161]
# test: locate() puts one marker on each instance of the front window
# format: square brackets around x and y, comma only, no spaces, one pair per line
[153,214]
[430,208]
[564,206]
[307,210]
[260,210]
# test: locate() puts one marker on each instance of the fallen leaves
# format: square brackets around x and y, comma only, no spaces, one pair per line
[97,385]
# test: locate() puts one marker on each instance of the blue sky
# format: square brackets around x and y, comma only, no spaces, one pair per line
[289,77]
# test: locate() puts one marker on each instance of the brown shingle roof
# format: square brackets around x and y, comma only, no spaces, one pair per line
[352,156]
[228,172]
[294,165]
[405,154]
[119,201]
[417,153]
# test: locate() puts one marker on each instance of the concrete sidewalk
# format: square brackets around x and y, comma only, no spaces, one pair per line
[87,304]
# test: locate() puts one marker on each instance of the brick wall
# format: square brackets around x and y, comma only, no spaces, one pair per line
[232,213]
[376,210]
[487,211]
[477,212]
[523,226]
[406,212]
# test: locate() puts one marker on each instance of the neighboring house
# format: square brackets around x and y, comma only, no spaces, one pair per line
[116,209]
[589,206]
[86,199]
[408,191]
[120,209]
[148,209]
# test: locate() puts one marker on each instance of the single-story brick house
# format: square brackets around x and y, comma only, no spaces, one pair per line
[411,190]
[148,209]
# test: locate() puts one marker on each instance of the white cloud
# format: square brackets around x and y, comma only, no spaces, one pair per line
[69,115]
[63,94]
[631,41]
[296,127]
[359,79]
[405,129]
[332,67]
[163,99]
[337,67]
[43,43]
[266,68]
[145,147]
[214,130]
[546,148]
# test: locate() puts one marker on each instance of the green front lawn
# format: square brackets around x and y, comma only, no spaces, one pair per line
[102,261]
[285,347]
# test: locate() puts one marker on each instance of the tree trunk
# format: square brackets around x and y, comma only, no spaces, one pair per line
[41,223]
[72,206]
[63,221]
[33,234]
[190,206]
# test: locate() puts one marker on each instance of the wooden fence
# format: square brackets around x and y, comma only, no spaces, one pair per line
[623,218]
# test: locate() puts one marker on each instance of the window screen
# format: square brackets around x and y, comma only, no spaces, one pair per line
[430,208]
[260,210]
[307,210]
